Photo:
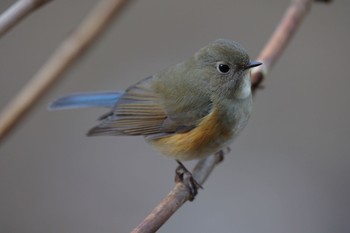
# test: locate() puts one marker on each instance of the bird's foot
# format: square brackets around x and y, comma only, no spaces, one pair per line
[184,176]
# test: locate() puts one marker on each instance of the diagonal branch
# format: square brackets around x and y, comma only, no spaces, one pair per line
[177,197]
[279,40]
[64,56]
[269,55]
[18,11]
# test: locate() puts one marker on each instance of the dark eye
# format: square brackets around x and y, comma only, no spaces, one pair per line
[223,68]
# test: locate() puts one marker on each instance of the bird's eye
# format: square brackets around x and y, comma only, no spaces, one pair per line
[223,68]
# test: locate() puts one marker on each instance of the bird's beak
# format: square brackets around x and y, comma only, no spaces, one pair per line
[252,64]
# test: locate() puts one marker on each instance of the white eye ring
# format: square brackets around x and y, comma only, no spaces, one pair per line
[223,68]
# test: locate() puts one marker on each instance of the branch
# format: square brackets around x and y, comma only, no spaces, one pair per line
[269,55]
[64,56]
[17,12]
[284,32]
[178,196]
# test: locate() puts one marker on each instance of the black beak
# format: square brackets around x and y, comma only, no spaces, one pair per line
[252,64]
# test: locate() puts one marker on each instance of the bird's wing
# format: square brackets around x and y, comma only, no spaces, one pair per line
[140,111]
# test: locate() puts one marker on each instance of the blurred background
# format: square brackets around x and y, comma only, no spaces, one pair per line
[287,172]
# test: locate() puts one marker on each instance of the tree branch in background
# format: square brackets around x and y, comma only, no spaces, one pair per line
[269,55]
[64,56]
[18,11]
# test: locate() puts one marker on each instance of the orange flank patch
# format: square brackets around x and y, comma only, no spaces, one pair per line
[206,138]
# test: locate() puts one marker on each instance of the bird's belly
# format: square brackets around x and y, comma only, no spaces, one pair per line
[207,138]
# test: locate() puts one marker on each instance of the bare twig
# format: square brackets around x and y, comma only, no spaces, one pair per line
[280,38]
[58,63]
[18,11]
[178,196]
[269,55]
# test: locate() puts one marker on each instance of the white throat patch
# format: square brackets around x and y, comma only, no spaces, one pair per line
[245,88]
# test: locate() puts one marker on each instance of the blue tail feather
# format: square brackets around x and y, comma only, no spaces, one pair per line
[86,100]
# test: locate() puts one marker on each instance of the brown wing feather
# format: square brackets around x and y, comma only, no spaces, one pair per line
[137,112]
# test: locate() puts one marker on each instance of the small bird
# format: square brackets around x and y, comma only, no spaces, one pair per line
[188,111]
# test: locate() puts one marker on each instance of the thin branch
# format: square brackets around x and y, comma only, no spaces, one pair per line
[269,55]
[288,26]
[64,56]
[18,11]
[178,196]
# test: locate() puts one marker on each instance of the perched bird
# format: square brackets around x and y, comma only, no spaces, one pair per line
[188,111]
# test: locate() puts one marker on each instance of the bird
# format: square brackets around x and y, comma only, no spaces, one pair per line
[187,111]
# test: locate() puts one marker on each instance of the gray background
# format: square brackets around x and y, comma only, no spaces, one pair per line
[287,172]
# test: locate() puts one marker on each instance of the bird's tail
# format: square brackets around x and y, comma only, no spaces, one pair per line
[86,100]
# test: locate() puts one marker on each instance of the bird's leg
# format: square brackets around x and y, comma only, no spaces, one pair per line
[185,176]
[221,153]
